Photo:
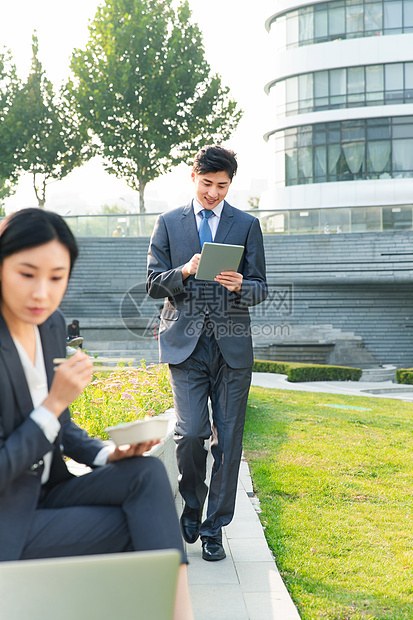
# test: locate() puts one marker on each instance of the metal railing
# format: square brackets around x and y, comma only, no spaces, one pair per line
[118,225]
[288,222]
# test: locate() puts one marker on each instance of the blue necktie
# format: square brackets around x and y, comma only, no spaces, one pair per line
[205,233]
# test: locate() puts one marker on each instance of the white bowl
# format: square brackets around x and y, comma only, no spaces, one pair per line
[136,432]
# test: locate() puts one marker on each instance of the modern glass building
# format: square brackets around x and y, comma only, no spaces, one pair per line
[341,92]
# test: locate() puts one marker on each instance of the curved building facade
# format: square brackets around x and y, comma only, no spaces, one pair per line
[341,92]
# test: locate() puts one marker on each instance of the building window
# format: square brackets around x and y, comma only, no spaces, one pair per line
[346,87]
[343,19]
[393,17]
[397,218]
[345,151]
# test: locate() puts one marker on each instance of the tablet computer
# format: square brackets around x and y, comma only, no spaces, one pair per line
[217,257]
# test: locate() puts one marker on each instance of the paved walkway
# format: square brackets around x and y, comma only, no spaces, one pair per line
[381,389]
[247,584]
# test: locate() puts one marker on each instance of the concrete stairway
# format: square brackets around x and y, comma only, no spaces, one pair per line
[108,280]
[316,344]
[107,295]
[342,299]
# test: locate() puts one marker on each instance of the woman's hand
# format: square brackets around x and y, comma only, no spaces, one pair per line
[126,452]
[71,378]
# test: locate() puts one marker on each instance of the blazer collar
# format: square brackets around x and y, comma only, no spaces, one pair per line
[14,368]
[225,224]
[190,227]
[15,373]
[48,338]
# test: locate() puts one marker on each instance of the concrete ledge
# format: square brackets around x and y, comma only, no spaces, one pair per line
[397,389]
[165,451]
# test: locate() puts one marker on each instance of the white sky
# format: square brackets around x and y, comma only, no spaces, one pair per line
[237,47]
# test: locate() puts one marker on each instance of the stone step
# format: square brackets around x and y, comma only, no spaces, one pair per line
[150,357]
[384,373]
[319,344]
[304,353]
[118,345]
[348,289]
[304,333]
[399,389]
[138,348]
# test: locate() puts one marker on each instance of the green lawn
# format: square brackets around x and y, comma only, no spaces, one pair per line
[336,490]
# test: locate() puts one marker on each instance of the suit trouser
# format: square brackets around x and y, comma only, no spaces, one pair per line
[205,374]
[123,506]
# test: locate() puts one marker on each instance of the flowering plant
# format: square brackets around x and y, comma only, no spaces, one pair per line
[124,395]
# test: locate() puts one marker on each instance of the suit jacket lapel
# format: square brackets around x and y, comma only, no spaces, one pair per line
[54,345]
[15,372]
[225,223]
[190,227]
[48,338]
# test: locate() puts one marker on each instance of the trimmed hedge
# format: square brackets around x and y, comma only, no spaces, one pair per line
[309,372]
[404,375]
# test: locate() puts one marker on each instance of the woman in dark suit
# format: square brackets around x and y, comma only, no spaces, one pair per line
[125,503]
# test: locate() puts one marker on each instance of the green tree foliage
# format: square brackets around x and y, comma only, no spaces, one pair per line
[54,139]
[6,189]
[254,202]
[146,90]
[113,210]
[9,85]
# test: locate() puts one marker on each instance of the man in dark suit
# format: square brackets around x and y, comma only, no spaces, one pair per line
[205,337]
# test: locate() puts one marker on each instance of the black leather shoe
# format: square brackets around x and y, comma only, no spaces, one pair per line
[212,549]
[190,523]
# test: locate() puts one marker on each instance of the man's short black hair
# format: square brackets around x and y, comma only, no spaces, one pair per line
[214,158]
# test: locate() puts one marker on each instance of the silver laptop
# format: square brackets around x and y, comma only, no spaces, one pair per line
[138,585]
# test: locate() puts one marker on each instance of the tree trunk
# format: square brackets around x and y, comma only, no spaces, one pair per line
[141,197]
[40,196]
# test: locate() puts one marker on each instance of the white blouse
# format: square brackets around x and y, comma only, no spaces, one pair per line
[37,382]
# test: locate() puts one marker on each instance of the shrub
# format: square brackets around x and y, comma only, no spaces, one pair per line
[404,375]
[122,396]
[270,366]
[297,372]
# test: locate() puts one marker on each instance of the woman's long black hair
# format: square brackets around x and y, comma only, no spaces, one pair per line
[29,228]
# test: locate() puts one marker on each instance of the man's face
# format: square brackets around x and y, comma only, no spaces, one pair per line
[211,187]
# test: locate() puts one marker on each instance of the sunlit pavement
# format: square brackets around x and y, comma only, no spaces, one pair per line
[247,584]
